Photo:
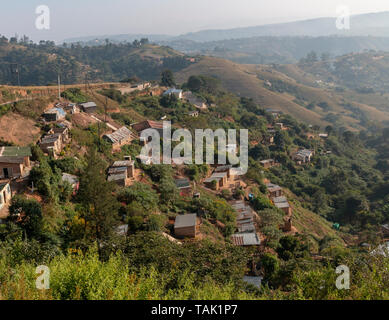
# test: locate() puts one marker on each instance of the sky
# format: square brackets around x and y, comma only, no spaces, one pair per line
[76,18]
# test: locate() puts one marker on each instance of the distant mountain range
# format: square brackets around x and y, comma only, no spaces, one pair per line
[371,24]
[275,43]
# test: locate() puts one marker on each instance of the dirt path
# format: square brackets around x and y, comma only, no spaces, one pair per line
[18,129]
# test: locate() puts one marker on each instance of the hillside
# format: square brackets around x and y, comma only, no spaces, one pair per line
[40,64]
[286,49]
[343,186]
[291,92]
[361,71]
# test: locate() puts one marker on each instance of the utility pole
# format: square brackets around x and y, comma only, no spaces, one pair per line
[59,87]
[105,109]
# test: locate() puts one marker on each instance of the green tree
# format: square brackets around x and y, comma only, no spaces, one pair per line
[167,78]
[27,214]
[96,195]
[143,194]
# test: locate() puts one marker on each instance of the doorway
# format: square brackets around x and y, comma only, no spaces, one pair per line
[6,173]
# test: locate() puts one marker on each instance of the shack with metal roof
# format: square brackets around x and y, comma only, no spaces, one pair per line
[119,138]
[14,162]
[88,107]
[186,226]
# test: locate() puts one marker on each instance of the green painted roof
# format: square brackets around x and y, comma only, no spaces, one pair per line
[15,152]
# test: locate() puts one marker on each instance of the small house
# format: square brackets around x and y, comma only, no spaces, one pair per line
[198,102]
[303,156]
[54,114]
[129,165]
[119,138]
[183,185]
[217,180]
[63,131]
[148,124]
[186,226]
[268,163]
[232,175]
[122,172]
[72,180]
[14,162]
[51,144]
[88,107]
[274,190]
[284,206]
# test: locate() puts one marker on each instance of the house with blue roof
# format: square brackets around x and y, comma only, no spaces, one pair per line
[54,114]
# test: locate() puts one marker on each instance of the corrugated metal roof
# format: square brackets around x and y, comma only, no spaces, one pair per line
[117,170]
[305,153]
[246,239]
[273,187]
[147,124]
[61,112]
[186,220]
[88,105]
[246,227]
[124,163]
[119,135]
[50,138]
[282,205]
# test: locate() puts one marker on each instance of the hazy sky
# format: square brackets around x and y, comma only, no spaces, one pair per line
[74,18]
